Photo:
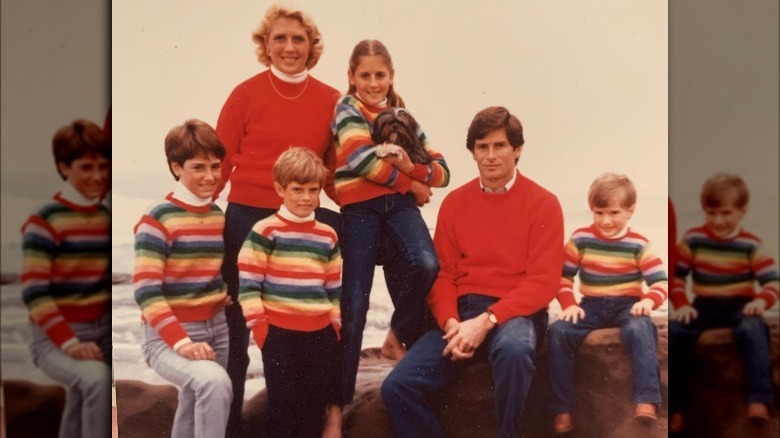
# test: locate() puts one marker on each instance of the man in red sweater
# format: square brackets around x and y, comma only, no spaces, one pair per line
[499,239]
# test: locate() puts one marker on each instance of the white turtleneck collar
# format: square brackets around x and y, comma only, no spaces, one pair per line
[297,78]
[287,214]
[183,194]
[70,194]
[382,104]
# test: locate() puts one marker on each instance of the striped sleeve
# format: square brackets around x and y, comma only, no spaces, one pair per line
[39,244]
[151,249]
[333,282]
[655,277]
[436,173]
[571,265]
[358,152]
[766,274]
[252,270]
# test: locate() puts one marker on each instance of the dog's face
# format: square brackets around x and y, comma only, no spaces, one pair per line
[397,126]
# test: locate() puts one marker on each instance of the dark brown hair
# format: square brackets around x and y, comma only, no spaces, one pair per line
[713,192]
[79,139]
[191,139]
[492,118]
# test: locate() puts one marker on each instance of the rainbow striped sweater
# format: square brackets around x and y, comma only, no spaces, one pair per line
[611,267]
[290,274]
[360,174]
[723,267]
[65,266]
[178,256]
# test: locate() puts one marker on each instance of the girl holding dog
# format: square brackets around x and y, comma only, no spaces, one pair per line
[379,195]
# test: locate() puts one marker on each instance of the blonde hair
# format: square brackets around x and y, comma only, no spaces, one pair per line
[300,165]
[715,188]
[609,185]
[278,10]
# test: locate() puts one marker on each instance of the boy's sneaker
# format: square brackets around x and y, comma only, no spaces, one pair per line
[645,413]
[563,423]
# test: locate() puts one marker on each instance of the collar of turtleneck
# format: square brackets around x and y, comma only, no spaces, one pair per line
[70,194]
[382,104]
[285,213]
[183,194]
[293,79]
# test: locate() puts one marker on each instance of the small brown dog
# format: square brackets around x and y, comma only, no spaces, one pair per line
[397,127]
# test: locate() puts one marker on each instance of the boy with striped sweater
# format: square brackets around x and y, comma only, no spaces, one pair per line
[612,262]
[179,287]
[290,290]
[65,280]
[725,262]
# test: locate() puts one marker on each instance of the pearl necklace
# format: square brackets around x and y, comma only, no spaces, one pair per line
[305,85]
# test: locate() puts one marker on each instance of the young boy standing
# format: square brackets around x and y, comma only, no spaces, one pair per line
[724,262]
[290,289]
[66,283]
[612,262]
[179,287]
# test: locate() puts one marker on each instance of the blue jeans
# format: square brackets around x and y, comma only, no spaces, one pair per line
[751,335]
[296,364]
[640,339]
[204,386]
[423,372]
[364,225]
[87,410]
[239,219]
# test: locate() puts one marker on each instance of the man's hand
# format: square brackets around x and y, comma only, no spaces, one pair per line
[572,314]
[642,307]
[422,192]
[685,314]
[84,351]
[754,308]
[197,351]
[465,337]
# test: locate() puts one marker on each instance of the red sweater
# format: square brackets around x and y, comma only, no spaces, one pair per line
[508,246]
[256,124]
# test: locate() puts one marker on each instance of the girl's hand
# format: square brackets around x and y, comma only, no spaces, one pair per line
[422,192]
[685,314]
[399,159]
[572,314]
[84,351]
[197,351]
[754,308]
[643,307]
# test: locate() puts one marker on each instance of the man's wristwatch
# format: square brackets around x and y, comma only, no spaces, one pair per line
[492,317]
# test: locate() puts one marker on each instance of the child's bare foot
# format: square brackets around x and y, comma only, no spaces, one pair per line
[645,413]
[676,422]
[758,412]
[563,423]
[332,427]
[392,348]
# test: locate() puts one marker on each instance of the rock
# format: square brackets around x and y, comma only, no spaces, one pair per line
[31,409]
[145,410]
[602,376]
[718,385]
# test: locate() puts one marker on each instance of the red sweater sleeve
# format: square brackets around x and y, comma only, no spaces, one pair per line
[230,129]
[443,298]
[545,259]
